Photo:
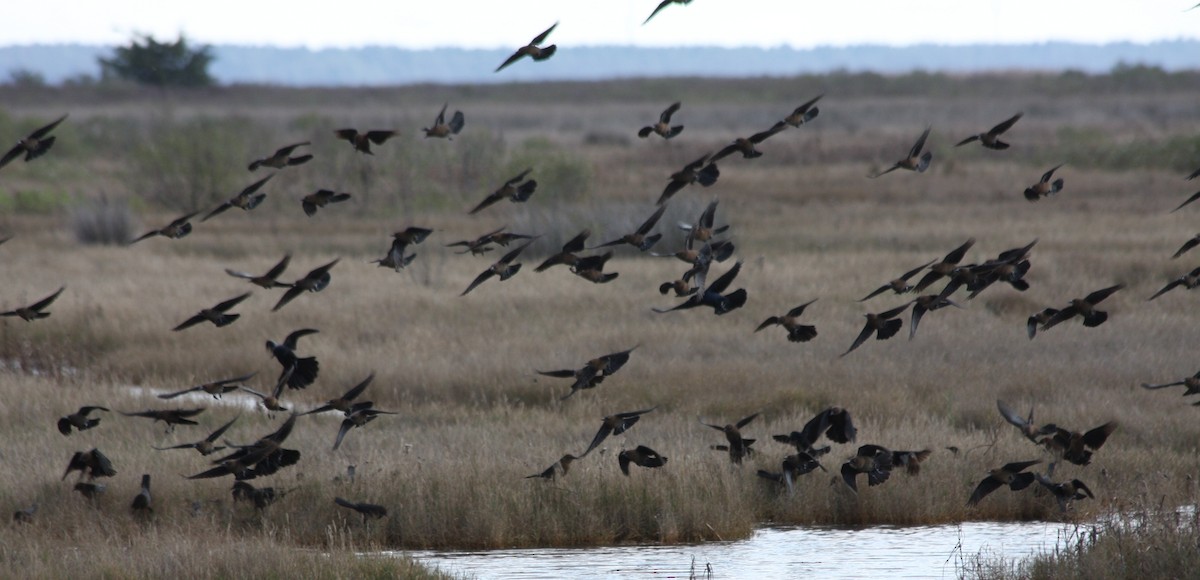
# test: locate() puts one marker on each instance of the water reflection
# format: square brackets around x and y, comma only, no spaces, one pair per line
[810,552]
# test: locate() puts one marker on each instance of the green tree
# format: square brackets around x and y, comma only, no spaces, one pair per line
[165,64]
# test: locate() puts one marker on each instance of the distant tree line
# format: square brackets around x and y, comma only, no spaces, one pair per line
[147,61]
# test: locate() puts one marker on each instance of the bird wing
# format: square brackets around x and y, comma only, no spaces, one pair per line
[1006,125]
[212,437]
[988,485]
[226,305]
[862,337]
[44,302]
[542,37]
[722,283]
[487,201]
[1099,295]
[920,144]
[1047,175]
[295,336]
[480,279]
[651,221]
[665,117]
[797,311]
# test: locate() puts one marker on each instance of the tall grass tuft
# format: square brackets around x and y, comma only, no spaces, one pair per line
[101,222]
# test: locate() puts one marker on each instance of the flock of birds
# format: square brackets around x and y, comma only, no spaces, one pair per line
[703,245]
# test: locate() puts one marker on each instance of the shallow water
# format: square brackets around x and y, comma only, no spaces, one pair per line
[802,552]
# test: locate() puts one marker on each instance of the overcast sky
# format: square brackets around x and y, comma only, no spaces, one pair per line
[511,23]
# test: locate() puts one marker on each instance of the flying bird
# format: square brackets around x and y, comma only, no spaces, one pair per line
[516,189]
[297,372]
[33,146]
[1076,447]
[1024,424]
[792,467]
[79,420]
[640,238]
[1188,245]
[641,456]
[36,310]
[916,161]
[263,457]
[1194,197]
[1084,307]
[557,469]
[568,254]
[442,129]
[248,199]
[177,229]
[804,113]
[701,171]
[704,229]
[401,240]
[664,4]
[268,280]
[883,325]
[321,198]
[945,267]
[873,460]
[1065,492]
[738,446]
[1189,281]
[282,157]
[216,315]
[92,463]
[615,424]
[1012,475]
[592,373]
[1037,319]
[206,446]
[1191,386]
[923,304]
[368,510]
[532,50]
[745,145]
[214,388]
[359,417]
[362,141]
[834,423]
[796,332]
[345,403]
[314,281]
[171,417]
[991,138]
[503,268]
[1044,187]
[482,244]
[663,127]
[898,285]
[714,295]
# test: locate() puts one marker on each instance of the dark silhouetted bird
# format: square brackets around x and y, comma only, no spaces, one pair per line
[663,127]
[804,113]
[1039,318]
[261,458]
[368,510]
[214,388]
[1189,281]
[247,200]
[314,281]
[883,325]
[991,138]
[442,129]
[321,198]
[642,456]
[206,446]
[792,466]
[1188,245]
[615,424]
[517,189]
[482,244]
[714,295]
[1065,492]
[1191,386]
[1044,187]
[171,417]
[916,161]
[745,145]
[297,372]
[923,304]
[216,315]
[34,145]
[362,141]
[503,268]
[796,332]
[664,4]
[359,416]
[592,373]
[557,470]
[268,280]
[36,310]
[141,502]
[834,422]
[873,460]
[701,171]
[79,420]
[345,403]
[899,285]
[703,230]
[282,157]
[177,229]
[944,267]
[640,238]
[1024,424]
[568,254]
[1010,475]
[1194,197]
[1084,307]
[532,50]
[92,463]
[1076,447]
[738,446]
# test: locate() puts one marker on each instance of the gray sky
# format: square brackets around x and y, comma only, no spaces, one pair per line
[473,23]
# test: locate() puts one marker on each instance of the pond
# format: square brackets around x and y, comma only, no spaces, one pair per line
[800,552]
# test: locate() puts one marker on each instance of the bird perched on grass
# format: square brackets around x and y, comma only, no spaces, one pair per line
[532,50]
[34,145]
[35,311]
[442,129]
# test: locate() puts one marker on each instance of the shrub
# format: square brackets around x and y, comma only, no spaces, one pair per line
[102,222]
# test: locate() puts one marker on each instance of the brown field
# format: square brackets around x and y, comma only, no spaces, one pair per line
[474,418]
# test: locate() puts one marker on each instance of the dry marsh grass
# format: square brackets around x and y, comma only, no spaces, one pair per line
[474,418]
